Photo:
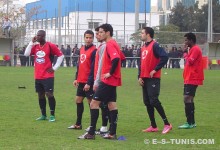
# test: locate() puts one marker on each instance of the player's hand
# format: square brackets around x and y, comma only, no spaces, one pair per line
[152,73]
[34,39]
[141,81]
[86,87]
[75,83]
[50,70]
[107,75]
[95,87]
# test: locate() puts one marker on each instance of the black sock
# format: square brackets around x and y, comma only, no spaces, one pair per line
[42,104]
[188,112]
[105,114]
[150,110]
[161,112]
[193,113]
[80,110]
[114,120]
[52,104]
[94,118]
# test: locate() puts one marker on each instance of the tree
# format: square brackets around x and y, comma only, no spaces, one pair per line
[168,34]
[19,19]
[193,19]
[165,34]
[136,37]
[178,16]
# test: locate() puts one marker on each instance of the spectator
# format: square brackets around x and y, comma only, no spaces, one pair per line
[123,63]
[177,58]
[6,26]
[63,51]
[134,53]
[15,55]
[22,57]
[67,55]
[75,55]
[138,55]
[130,55]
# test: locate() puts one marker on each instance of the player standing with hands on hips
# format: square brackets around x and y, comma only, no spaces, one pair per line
[152,59]
[44,71]
[110,80]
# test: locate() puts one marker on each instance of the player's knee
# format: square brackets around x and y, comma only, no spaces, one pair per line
[112,106]
[41,95]
[154,101]
[49,94]
[188,99]
[94,104]
[89,101]
[146,102]
[79,99]
[103,105]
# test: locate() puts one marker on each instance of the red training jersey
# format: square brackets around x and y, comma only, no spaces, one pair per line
[42,60]
[85,64]
[148,61]
[111,52]
[193,69]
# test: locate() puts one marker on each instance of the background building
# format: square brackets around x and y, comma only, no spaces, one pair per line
[78,16]
[188,3]
[202,2]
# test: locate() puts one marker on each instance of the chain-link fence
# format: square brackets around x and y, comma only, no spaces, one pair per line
[168,40]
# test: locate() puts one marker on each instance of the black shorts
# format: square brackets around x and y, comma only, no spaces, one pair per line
[190,89]
[105,93]
[151,90]
[80,92]
[44,85]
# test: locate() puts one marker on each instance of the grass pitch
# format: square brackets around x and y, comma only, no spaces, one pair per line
[19,109]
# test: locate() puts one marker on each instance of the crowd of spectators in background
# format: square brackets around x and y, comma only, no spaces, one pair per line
[132,54]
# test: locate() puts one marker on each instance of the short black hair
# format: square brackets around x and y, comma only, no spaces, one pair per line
[44,32]
[97,29]
[89,32]
[107,27]
[149,30]
[191,36]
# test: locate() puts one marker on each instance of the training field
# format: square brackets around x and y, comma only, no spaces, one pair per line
[19,109]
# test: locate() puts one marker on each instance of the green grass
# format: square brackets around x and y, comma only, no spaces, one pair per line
[19,109]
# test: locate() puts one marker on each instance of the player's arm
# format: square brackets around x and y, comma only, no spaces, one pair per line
[90,80]
[98,73]
[57,52]
[30,46]
[115,57]
[193,57]
[60,57]
[75,83]
[114,62]
[159,52]
[139,65]
[58,62]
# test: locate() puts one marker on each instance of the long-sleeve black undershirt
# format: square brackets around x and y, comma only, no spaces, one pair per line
[90,80]
[160,53]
